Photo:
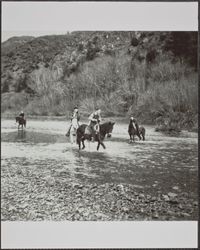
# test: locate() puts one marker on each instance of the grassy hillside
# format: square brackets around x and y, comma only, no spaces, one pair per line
[148,74]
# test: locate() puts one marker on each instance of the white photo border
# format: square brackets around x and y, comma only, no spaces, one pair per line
[148,16]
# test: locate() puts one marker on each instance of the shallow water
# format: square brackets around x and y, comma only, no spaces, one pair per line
[43,144]
[157,164]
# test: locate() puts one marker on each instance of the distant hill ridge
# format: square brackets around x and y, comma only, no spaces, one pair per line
[26,54]
[15,41]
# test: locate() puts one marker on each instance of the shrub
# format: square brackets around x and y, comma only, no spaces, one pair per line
[13,101]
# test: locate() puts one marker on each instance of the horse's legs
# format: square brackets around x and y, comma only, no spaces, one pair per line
[83,143]
[103,145]
[79,143]
[138,135]
[100,143]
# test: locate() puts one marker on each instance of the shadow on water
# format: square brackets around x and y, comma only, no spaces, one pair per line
[31,137]
[97,165]
[21,136]
[103,168]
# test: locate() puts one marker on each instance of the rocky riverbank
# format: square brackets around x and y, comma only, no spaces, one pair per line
[51,199]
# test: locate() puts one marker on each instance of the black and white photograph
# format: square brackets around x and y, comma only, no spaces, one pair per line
[98,125]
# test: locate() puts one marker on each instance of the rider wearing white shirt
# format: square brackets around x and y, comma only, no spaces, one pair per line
[94,121]
[75,115]
[75,118]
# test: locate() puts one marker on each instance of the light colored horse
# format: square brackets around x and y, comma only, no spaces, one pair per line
[73,129]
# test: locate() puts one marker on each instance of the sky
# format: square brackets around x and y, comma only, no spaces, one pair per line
[46,18]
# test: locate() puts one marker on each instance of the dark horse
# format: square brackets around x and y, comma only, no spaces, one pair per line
[132,132]
[105,129]
[21,121]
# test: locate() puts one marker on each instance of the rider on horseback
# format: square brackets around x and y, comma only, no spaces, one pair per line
[21,120]
[135,123]
[75,118]
[95,119]
[21,114]
[75,115]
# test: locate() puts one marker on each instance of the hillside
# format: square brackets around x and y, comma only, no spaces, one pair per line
[14,42]
[145,73]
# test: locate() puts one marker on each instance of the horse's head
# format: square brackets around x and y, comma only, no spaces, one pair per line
[109,128]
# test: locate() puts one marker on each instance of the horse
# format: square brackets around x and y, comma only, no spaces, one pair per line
[21,121]
[104,129]
[132,132]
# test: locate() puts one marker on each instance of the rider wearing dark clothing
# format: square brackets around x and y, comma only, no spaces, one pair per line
[21,114]
[136,125]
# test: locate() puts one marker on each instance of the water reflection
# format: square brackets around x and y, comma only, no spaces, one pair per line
[21,135]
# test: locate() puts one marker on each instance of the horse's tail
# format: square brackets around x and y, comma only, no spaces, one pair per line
[143,130]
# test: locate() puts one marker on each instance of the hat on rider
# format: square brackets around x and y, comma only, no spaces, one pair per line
[75,109]
[133,119]
[97,109]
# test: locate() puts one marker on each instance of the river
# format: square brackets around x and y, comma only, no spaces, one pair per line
[41,156]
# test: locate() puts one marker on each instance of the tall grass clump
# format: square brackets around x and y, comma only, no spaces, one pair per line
[172,88]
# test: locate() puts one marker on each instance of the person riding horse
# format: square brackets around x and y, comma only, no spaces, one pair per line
[136,124]
[75,115]
[75,118]
[95,119]
[134,129]
[22,114]
[21,120]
